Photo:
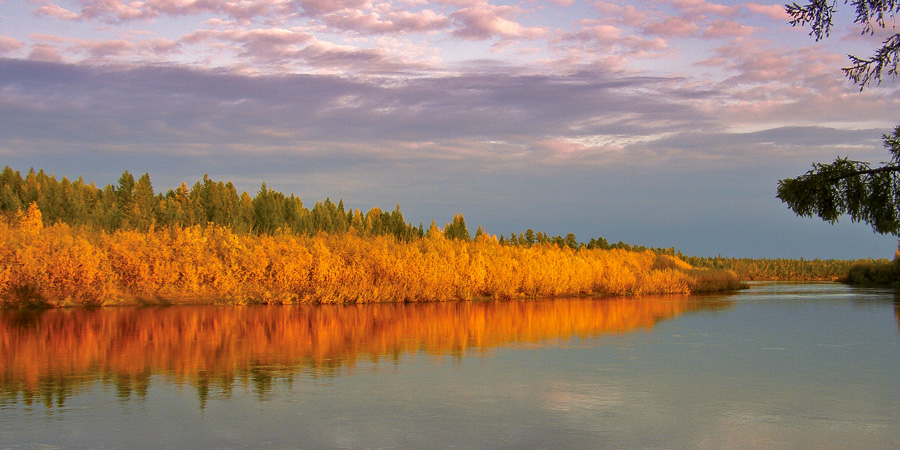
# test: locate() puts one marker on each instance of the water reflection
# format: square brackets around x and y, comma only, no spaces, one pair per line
[49,356]
[897,310]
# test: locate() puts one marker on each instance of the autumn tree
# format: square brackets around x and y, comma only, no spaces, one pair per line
[866,193]
[10,186]
[267,213]
[457,229]
[144,209]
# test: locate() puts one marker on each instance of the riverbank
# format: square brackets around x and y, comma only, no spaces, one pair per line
[60,265]
[874,273]
[784,269]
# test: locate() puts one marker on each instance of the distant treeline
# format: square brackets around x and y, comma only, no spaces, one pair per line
[780,268]
[530,237]
[134,205]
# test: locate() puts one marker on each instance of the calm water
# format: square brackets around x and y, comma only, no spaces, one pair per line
[776,366]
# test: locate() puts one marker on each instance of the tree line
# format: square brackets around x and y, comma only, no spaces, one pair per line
[134,205]
[779,268]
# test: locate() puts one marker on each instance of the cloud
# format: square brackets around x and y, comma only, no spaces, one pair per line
[774,12]
[754,62]
[56,11]
[114,11]
[245,11]
[295,49]
[265,45]
[181,108]
[44,52]
[627,14]
[672,27]
[52,47]
[9,45]
[101,49]
[605,45]
[484,21]
[800,143]
[607,34]
[390,22]
[727,29]
[160,46]
[702,7]
[316,7]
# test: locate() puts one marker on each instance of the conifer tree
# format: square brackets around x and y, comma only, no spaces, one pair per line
[457,229]
[144,210]
[855,188]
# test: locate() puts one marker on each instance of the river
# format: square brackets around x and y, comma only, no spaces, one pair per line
[779,365]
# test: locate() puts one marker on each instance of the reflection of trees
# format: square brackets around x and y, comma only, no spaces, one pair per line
[897,311]
[48,356]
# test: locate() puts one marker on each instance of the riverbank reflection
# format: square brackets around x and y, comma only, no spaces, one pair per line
[48,356]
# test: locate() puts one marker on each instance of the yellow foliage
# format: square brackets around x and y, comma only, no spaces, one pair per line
[59,265]
[31,221]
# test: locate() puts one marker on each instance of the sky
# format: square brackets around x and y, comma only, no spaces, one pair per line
[663,123]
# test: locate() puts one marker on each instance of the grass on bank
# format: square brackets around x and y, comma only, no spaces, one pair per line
[61,265]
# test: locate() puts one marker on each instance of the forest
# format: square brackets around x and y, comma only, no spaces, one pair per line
[781,269]
[133,205]
[71,243]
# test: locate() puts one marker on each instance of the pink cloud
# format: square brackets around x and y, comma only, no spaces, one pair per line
[391,22]
[704,7]
[674,26]
[263,45]
[723,29]
[424,20]
[606,34]
[644,48]
[756,65]
[461,3]
[161,46]
[287,49]
[108,48]
[115,9]
[624,14]
[775,12]
[315,7]
[49,47]
[126,10]
[330,56]
[755,62]
[44,52]
[485,21]
[56,11]
[9,45]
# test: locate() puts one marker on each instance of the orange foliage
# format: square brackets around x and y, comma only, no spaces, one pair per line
[202,344]
[58,265]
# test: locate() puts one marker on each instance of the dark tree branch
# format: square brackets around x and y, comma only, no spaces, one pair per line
[866,194]
[864,71]
[817,13]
